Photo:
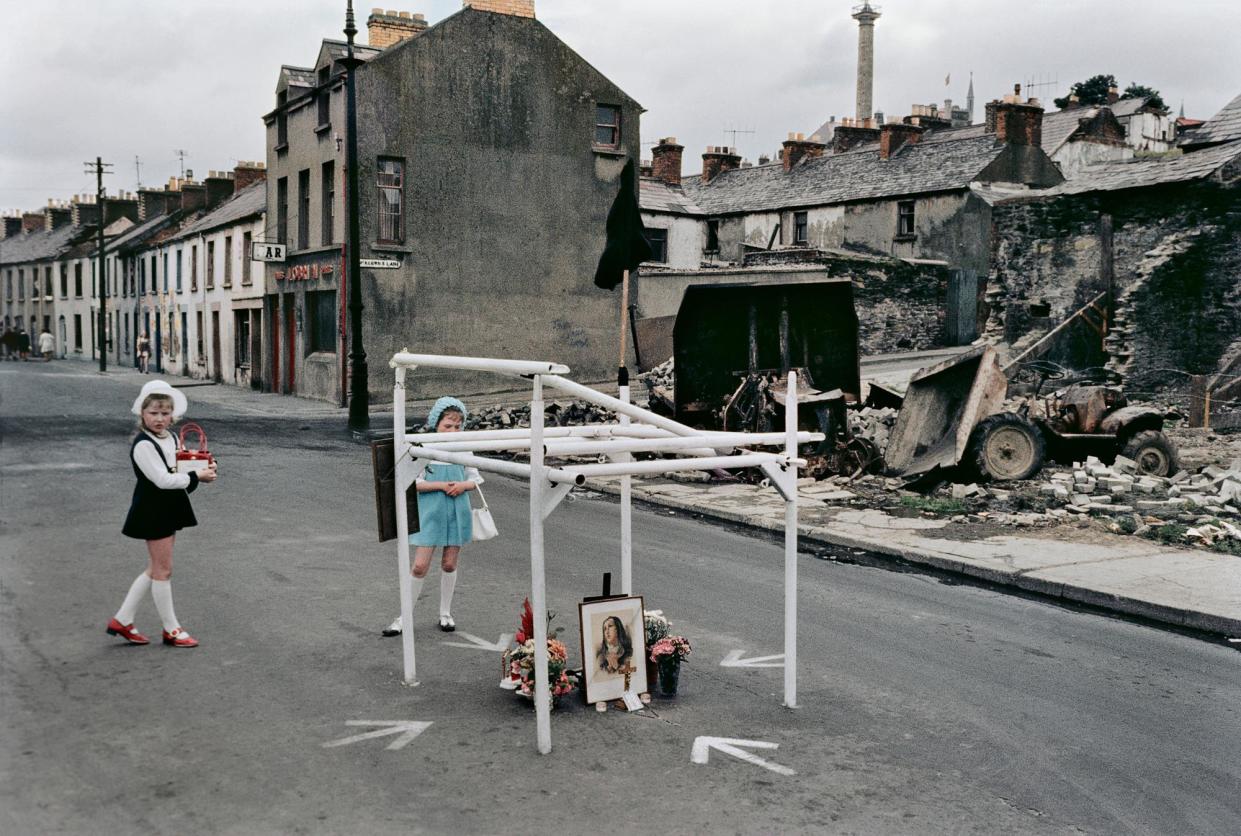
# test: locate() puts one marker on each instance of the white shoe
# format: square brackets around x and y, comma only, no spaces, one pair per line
[393,629]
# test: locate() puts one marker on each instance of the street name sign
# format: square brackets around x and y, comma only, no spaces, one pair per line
[260,251]
[379,263]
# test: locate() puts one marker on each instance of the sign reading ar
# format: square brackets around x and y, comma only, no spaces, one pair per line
[260,251]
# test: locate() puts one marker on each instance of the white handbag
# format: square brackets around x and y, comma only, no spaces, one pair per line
[483,525]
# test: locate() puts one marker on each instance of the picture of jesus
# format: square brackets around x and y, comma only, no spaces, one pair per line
[615,650]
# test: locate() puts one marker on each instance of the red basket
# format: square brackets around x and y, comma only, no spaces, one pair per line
[198,458]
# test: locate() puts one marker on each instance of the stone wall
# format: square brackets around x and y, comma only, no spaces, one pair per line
[1175,254]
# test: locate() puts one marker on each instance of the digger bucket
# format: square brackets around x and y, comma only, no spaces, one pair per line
[942,406]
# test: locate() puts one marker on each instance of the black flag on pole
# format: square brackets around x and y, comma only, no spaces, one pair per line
[627,246]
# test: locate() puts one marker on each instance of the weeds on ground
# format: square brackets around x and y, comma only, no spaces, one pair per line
[1127,525]
[1232,547]
[934,504]
[1170,534]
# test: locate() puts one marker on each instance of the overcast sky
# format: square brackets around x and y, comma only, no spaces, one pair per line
[126,78]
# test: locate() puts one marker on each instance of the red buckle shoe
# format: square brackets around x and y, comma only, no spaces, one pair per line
[126,632]
[180,638]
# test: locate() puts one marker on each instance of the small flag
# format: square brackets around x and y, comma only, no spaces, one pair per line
[947,79]
[626,246]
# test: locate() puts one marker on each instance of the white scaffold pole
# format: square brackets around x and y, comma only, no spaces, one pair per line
[790,550]
[626,502]
[400,447]
[538,576]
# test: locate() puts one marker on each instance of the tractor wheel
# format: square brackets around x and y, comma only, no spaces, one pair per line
[1006,447]
[1153,452]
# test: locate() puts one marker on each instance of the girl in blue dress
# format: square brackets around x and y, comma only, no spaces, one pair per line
[443,515]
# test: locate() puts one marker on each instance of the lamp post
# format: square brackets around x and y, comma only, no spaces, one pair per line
[359,407]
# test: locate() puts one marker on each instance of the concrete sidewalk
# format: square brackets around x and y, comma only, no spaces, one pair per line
[1199,590]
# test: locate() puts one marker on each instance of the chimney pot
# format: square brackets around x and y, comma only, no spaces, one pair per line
[666,160]
[895,135]
[716,161]
[797,148]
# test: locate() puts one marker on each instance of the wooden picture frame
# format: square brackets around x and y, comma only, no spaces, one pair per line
[604,665]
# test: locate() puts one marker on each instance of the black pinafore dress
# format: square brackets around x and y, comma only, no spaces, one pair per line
[156,513]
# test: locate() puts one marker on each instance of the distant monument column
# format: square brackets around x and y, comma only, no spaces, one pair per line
[865,15]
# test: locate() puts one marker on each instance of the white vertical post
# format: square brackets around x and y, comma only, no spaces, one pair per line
[790,550]
[400,447]
[538,579]
[626,509]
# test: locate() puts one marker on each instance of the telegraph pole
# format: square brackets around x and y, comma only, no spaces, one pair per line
[99,168]
[359,407]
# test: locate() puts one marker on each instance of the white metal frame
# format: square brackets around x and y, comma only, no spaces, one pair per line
[549,485]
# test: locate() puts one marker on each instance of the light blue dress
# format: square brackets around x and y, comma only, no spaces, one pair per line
[443,520]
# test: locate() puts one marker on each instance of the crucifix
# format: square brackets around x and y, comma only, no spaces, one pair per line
[628,671]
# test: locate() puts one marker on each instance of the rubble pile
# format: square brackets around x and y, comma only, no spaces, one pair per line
[573,413]
[661,388]
[872,424]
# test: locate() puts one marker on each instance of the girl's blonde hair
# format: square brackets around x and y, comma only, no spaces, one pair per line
[147,401]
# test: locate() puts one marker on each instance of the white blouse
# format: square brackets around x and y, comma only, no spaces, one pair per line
[154,468]
[471,474]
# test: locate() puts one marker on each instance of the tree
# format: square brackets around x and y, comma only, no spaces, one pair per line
[1092,91]
[1141,91]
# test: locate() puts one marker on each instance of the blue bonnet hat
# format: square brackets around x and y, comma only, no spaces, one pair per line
[444,403]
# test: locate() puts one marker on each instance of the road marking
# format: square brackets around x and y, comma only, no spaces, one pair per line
[734,660]
[34,468]
[731,746]
[475,643]
[408,729]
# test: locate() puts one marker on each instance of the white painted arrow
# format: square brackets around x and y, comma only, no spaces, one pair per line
[734,660]
[731,746]
[475,643]
[407,729]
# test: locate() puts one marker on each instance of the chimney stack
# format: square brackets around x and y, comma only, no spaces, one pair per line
[124,205]
[219,187]
[385,28]
[193,195]
[57,215]
[1113,95]
[797,147]
[33,222]
[717,160]
[247,172]
[666,161]
[1016,122]
[517,8]
[895,135]
[12,226]
[851,133]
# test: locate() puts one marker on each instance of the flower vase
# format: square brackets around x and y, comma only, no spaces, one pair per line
[652,675]
[669,675]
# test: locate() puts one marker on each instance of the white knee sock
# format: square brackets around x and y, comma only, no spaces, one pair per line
[448,584]
[137,591]
[417,588]
[161,591]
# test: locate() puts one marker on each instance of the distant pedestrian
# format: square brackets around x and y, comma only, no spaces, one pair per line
[47,345]
[160,508]
[444,518]
[144,353]
[23,344]
[9,343]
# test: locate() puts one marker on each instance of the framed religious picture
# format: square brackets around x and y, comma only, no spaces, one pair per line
[613,648]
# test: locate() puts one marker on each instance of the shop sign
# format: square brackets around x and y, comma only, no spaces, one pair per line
[306,272]
[260,251]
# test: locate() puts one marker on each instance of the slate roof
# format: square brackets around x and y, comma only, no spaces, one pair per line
[339,50]
[1147,171]
[137,235]
[657,196]
[37,246]
[249,202]
[1059,125]
[1224,126]
[840,178]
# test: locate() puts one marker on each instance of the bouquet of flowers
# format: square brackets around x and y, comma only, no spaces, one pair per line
[670,647]
[519,660]
[656,626]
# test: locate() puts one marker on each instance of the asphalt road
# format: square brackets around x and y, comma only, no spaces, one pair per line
[926,707]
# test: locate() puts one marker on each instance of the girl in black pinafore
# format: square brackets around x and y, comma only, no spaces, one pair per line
[160,508]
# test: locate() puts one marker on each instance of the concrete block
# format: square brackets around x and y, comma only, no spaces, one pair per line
[1061,492]
[1081,499]
[1080,476]
[1102,499]
[1179,476]
[1150,504]
[1175,490]
[1124,465]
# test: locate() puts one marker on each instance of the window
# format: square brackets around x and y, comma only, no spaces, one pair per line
[607,126]
[193,268]
[64,280]
[8,284]
[210,266]
[391,182]
[142,276]
[321,321]
[905,219]
[228,261]
[77,280]
[327,194]
[171,341]
[154,289]
[77,332]
[303,209]
[658,239]
[324,97]
[179,259]
[198,339]
[801,227]
[21,285]
[247,242]
[713,237]
[94,289]
[47,281]
[241,330]
[282,210]
[282,119]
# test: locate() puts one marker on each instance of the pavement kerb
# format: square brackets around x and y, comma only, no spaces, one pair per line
[1123,605]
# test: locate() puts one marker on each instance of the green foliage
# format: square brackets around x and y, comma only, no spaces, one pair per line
[1092,91]
[1141,91]
[1127,525]
[934,504]
[1170,534]
[1227,547]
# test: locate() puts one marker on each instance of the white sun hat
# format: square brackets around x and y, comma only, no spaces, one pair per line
[161,387]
